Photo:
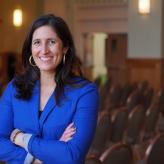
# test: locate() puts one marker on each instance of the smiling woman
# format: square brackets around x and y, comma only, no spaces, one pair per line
[46,108]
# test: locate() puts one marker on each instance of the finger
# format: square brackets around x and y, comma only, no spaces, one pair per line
[69,130]
[68,139]
[69,134]
[66,136]
[13,133]
[70,125]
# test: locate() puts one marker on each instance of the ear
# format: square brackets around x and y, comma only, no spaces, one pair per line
[65,49]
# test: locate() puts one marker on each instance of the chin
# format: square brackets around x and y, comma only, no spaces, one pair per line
[47,69]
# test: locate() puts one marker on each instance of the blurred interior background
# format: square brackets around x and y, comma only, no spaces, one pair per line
[113,39]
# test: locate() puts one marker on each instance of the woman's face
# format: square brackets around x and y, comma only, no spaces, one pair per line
[47,49]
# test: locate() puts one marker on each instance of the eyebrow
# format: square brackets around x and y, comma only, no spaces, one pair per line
[46,39]
[35,40]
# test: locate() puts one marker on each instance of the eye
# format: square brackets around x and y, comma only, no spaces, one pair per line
[36,42]
[51,42]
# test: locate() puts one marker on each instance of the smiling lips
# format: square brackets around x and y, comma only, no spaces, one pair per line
[45,58]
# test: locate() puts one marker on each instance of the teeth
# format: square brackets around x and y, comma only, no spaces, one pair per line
[45,58]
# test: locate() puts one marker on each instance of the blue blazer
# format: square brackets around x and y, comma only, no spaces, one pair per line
[79,105]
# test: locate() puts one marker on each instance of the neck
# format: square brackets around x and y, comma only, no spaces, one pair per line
[47,79]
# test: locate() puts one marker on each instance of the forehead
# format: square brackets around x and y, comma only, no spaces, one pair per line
[44,32]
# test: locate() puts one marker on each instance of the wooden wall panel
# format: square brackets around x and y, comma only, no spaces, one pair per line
[146,69]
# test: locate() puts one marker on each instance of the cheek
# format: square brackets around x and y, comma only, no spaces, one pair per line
[57,52]
[58,58]
[34,51]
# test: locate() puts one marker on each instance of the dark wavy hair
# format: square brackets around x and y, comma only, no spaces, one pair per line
[65,71]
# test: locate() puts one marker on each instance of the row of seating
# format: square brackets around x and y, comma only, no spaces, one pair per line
[133,128]
[113,96]
[122,153]
[129,115]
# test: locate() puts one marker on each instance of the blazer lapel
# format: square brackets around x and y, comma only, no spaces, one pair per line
[47,110]
[35,106]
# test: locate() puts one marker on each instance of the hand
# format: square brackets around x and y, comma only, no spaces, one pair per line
[17,137]
[37,161]
[68,133]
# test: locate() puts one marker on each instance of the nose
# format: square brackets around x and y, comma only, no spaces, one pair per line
[45,48]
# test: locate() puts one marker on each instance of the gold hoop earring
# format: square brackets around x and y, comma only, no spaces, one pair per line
[30,61]
[64,59]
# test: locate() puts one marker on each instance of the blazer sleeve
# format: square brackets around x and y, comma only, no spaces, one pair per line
[73,151]
[9,152]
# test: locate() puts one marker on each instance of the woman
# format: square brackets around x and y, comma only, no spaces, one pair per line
[48,112]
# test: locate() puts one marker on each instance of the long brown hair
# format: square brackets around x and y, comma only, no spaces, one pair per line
[65,71]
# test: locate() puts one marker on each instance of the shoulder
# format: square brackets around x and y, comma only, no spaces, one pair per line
[82,84]
[88,87]
[9,91]
[9,87]
[81,87]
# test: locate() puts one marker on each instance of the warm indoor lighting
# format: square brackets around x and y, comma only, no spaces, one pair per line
[17,17]
[144,6]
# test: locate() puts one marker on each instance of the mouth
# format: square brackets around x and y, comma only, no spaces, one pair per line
[45,58]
